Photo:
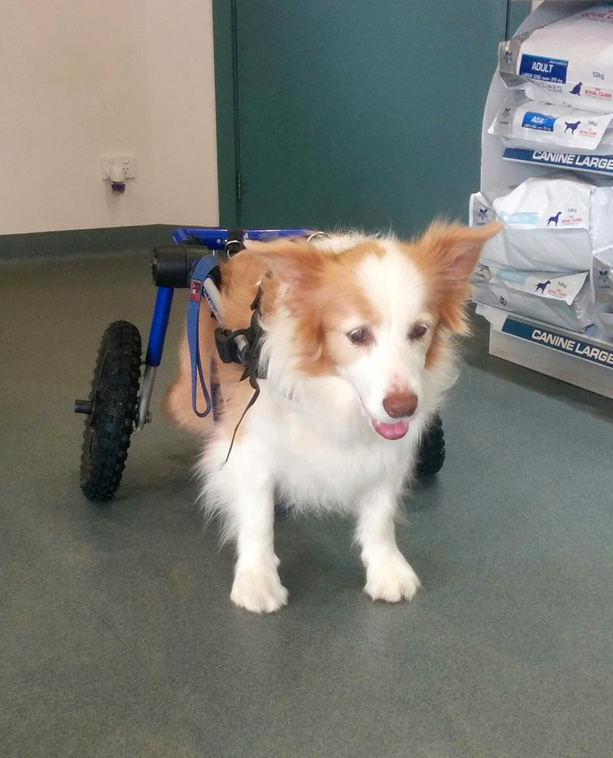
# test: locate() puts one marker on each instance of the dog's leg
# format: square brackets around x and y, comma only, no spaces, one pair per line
[389,577]
[250,518]
[257,586]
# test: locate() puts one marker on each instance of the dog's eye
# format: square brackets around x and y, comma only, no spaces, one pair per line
[359,336]
[418,331]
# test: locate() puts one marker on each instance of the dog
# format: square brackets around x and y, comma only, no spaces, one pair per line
[554,219]
[542,286]
[357,352]
[572,127]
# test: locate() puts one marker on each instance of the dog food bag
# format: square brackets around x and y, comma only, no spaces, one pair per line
[530,248]
[551,223]
[523,123]
[605,323]
[602,276]
[558,299]
[569,61]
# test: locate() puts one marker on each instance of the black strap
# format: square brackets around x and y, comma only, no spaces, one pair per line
[249,373]
[228,353]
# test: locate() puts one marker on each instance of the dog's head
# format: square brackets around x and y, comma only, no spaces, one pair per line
[378,312]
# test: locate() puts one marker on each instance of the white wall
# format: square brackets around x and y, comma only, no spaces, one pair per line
[81,79]
[182,97]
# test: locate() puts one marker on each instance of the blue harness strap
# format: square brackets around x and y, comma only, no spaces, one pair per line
[202,270]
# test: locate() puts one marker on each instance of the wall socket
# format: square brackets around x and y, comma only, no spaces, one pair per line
[126,162]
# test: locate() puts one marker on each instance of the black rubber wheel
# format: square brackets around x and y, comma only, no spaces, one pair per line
[432,450]
[113,408]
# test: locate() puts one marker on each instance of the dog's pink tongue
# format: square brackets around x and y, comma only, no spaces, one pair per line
[391,431]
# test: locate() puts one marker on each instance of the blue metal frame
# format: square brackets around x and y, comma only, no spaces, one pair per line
[159,325]
[215,238]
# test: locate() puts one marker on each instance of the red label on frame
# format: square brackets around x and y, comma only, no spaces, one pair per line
[194,289]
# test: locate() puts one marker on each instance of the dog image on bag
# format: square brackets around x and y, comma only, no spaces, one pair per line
[357,353]
[572,127]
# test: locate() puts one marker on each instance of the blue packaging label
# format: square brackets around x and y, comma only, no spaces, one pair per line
[522,218]
[539,121]
[544,69]
[509,275]
[571,345]
[594,164]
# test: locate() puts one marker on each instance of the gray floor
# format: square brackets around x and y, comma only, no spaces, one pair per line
[116,634]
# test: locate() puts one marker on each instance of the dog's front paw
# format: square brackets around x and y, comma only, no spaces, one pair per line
[391,579]
[259,591]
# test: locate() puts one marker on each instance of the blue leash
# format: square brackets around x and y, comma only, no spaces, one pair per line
[202,270]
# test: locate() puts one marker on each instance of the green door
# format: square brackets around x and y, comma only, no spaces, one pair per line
[352,113]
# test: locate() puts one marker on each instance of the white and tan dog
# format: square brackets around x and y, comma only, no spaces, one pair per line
[358,353]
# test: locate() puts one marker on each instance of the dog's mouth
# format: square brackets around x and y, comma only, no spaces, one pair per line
[394,431]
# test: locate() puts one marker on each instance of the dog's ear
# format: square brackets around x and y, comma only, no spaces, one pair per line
[300,267]
[456,249]
[449,254]
[293,262]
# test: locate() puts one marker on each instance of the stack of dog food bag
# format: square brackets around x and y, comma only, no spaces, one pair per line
[553,260]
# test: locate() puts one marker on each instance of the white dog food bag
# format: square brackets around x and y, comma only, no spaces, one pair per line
[559,299]
[569,61]
[605,323]
[552,223]
[522,123]
[602,276]
[543,203]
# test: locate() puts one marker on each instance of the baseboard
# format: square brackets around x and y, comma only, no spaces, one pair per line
[75,241]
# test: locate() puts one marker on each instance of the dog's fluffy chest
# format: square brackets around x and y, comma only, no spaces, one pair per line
[324,452]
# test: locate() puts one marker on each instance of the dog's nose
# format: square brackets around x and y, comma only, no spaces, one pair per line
[400,404]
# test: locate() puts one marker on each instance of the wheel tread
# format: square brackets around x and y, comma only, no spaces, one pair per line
[432,450]
[101,473]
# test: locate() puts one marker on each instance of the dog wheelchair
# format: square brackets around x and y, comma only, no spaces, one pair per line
[121,389]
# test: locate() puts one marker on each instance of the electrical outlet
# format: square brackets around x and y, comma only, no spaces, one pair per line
[126,162]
